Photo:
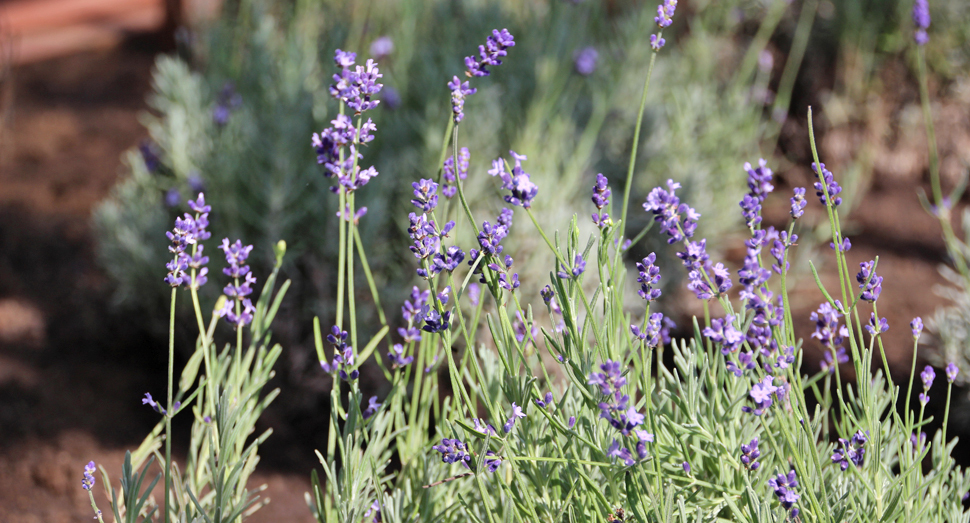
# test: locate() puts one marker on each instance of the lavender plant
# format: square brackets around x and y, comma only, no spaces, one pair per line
[221,389]
[582,409]
[595,422]
[242,141]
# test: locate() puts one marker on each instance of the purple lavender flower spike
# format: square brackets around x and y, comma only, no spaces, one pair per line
[723,333]
[148,400]
[917,326]
[798,203]
[869,282]
[750,455]
[88,482]
[356,86]
[610,380]
[459,91]
[621,453]
[877,326]
[571,422]
[344,59]
[761,395]
[425,195]
[382,47]
[928,375]
[397,357]
[844,247]
[921,19]
[643,437]
[686,467]
[453,451]
[517,413]
[828,179]
[665,13]
[759,186]
[951,372]
[547,294]
[435,322]
[784,487]
[850,451]
[495,47]
[545,401]
[585,61]
[518,182]
[492,462]
[657,42]
[601,198]
[450,176]
[648,277]
[372,407]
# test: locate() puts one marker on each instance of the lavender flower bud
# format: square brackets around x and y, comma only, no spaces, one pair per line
[88,482]
[917,326]
[826,183]
[869,282]
[495,47]
[517,413]
[750,455]
[951,372]
[372,407]
[921,19]
[585,61]
[453,451]
[798,203]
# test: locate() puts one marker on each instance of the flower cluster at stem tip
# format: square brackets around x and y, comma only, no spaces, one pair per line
[496,46]
[238,309]
[338,146]
[188,268]
[621,415]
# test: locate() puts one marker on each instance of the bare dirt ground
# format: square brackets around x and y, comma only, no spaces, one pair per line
[72,371]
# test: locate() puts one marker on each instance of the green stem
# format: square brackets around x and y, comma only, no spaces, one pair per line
[168,411]
[369,276]
[636,144]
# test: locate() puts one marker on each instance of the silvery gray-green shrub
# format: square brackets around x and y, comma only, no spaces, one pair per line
[232,118]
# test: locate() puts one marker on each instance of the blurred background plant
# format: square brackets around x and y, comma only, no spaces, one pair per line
[232,113]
